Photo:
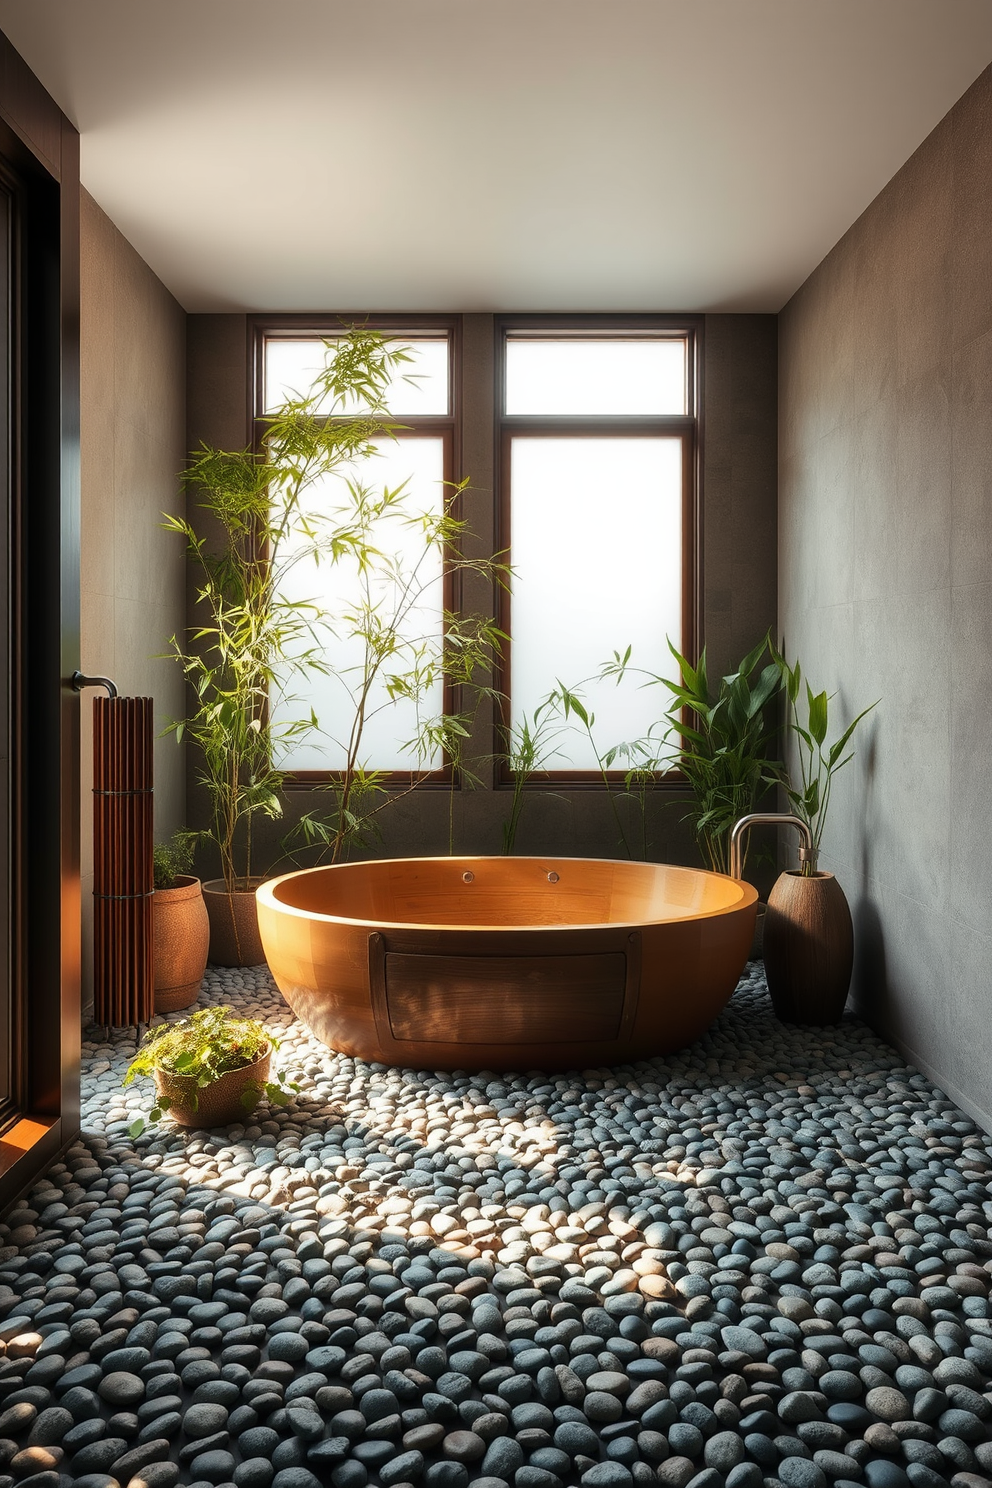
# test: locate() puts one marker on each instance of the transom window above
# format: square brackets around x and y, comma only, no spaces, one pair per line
[575,376]
[420,388]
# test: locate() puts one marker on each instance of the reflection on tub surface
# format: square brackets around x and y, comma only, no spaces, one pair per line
[506,963]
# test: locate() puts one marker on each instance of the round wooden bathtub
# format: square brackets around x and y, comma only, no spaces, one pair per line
[506,963]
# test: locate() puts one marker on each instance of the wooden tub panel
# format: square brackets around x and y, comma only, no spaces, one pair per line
[503,999]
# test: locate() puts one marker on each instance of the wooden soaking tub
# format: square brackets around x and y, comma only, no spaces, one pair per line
[506,963]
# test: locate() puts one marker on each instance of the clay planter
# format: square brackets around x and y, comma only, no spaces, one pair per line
[219,1104]
[182,934]
[234,937]
[808,948]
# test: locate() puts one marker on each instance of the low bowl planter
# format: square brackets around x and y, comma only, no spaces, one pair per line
[220,1103]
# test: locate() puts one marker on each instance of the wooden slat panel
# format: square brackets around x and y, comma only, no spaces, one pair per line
[122,861]
[505,999]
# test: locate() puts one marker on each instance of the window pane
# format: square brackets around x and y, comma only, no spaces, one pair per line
[642,376]
[596,548]
[291,366]
[407,583]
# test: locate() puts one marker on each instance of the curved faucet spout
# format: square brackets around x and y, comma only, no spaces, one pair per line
[767,818]
[79,680]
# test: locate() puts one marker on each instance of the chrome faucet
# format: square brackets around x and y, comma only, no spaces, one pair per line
[769,818]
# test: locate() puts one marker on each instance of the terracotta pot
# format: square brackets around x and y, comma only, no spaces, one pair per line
[808,948]
[234,937]
[219,1104]
[182,934]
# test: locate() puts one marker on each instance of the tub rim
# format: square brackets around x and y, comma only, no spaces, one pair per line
[266,894]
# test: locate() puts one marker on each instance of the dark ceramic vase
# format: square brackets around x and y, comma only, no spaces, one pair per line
[808,948]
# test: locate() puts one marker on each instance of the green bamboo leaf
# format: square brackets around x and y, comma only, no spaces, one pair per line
[817,714]
[573,704]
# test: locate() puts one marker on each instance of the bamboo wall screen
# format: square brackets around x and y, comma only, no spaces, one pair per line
[123,885]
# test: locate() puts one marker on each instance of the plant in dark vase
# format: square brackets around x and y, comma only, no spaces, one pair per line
[210,1069]
[809,936]
[182,930]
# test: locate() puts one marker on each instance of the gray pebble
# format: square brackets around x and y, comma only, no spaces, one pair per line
[602,1408]
[607,1475]
[881,1474]
[204,1420]
[121,1389]
[797,1472]
[254,1472]
[723,1451]
[888,1404]
[216,1466]
[502,1458]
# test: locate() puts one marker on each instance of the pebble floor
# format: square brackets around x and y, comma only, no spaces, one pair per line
[763,1261]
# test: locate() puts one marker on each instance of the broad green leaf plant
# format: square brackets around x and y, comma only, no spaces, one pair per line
[204,1046]
[818,761]
[723,745]
[256,643]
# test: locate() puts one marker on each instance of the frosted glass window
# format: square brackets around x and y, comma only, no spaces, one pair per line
[596,528]
[340,589]
[571,376]
[420,386]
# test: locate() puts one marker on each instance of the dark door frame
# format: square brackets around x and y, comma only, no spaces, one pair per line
[41,148]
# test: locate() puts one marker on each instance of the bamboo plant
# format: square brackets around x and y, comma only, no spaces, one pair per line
[257,643]
[528,747]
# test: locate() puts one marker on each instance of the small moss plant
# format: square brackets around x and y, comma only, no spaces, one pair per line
[174,859]
[204,1046]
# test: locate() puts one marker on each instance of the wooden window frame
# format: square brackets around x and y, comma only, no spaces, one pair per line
[687,427]
[265,328]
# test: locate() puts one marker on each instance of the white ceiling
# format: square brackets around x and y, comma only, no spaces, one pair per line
[495,154]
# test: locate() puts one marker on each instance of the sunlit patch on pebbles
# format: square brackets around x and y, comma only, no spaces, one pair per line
[763,1261]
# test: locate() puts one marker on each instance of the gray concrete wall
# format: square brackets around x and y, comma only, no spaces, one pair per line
[738,565]
[132,376]
[885,585]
